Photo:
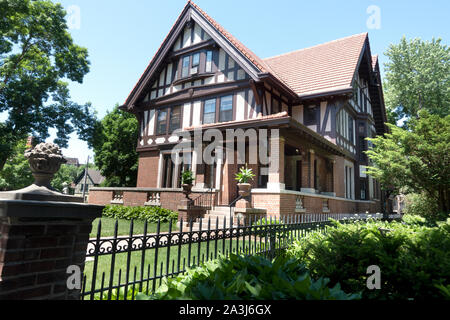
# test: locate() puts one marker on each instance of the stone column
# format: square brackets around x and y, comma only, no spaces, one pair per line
[276,165]
[42,234]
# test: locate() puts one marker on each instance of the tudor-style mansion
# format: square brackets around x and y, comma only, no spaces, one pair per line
[324,100]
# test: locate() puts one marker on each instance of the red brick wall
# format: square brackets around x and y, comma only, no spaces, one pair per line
[169,199]
[148,169]
[134,199]
[34,257]
[338,177]
[100,197]
[285,203]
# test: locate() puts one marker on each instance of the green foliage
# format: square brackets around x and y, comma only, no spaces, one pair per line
[422,205]
[36,54]
[151,214]
[248,278]
[415,161]
[114,145]
[413,257]
[16,173]
[244,175]
[187,177]
[66,174]
[277,228]
[417,77]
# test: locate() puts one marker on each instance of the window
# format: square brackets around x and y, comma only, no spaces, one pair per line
[168,168]
[363,189]
[310,115]
[350,129]
[348,182]
[226,109]
[209,111]
[161,124]
[208,65]
[185,67]
[175,118]
[346,126]
[195,63]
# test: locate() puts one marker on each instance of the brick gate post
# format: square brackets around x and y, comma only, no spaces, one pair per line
[42,233]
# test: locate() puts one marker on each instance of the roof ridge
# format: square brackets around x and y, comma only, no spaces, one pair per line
[315,46]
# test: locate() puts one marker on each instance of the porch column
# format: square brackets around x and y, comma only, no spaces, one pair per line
[160,170]
[311,188]
[338,176]
[176,171]
[276,165]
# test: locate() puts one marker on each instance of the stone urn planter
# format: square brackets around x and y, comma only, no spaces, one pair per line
[187,189]
[45,160]
[244,189]
[187,179]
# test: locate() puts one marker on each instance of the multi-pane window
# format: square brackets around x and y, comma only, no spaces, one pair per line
[175,118]
[209,111]
[208,64]
[226,109]
[161,123]
[185,67]
[195,63]
[346,126]
[348,182]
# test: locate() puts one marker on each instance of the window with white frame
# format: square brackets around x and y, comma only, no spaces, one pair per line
[349,178]
[345,125]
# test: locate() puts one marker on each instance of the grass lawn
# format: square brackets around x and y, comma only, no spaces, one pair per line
[124,227]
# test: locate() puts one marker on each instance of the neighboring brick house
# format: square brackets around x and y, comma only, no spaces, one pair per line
[325,100]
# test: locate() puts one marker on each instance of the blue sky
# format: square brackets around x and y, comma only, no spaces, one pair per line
[122,36]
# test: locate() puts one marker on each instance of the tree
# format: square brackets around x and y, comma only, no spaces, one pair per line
[417,77]
[16,173]
[415,160]
[66,174]
[36,53]
[115,148]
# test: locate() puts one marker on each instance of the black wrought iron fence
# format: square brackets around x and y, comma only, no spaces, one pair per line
[117,267]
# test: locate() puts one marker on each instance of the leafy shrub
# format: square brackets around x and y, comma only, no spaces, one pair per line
[248,278]
[422,205]
[414,259]
[151,214]
[244,175]
[187,177]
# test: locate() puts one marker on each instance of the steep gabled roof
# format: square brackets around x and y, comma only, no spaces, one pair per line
[328,67]
[249,61]
[94,175]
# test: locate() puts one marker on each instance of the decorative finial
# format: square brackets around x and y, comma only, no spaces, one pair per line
[45,160]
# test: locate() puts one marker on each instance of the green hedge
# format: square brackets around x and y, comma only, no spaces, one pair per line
[413,256]
[248,278]
[151,214]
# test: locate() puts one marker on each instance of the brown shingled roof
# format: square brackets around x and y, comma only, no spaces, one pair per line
[323,68]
